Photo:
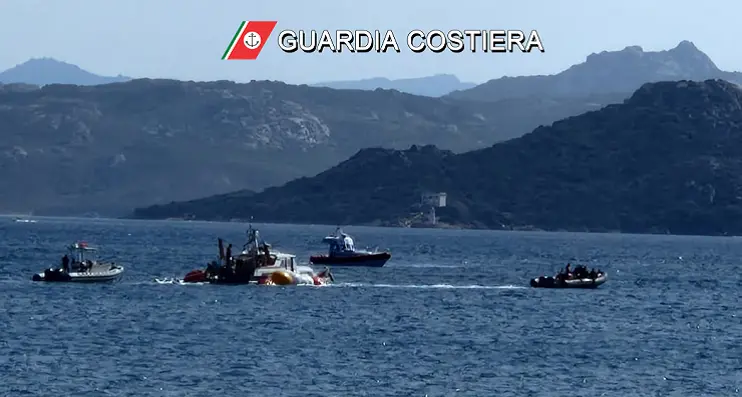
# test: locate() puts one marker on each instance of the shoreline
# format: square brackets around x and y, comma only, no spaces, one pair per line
[440,226]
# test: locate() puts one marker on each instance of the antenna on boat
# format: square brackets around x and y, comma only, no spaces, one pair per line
[252,236]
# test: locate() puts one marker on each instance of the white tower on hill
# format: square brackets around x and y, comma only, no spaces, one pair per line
[433,201]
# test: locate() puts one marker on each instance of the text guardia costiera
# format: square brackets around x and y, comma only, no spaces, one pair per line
[418,41]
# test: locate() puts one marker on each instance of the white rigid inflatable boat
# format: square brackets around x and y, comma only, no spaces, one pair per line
[97,274]
[80,269]
[554,282]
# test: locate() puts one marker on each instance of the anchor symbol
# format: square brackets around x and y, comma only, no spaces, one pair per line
[252,40]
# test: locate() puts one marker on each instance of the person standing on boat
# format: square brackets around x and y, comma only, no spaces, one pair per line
[336,246]
[66,263]
[228,259]
[265,259]
[348,242]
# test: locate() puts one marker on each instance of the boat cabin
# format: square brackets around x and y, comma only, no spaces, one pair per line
[280,261]
[277,259]
[81,253]
[337,242]
[285,261]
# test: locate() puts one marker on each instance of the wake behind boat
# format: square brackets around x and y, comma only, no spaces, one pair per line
[257,264]
[342,252]
[580,278]
[81,266]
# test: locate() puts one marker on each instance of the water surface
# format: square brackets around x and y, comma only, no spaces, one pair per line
[450,315]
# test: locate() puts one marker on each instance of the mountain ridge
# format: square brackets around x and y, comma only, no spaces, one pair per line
[433,86]
[103,148]
[44,71]
[666,160]
[621,71]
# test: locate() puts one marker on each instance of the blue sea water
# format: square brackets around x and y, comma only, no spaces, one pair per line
[450,315]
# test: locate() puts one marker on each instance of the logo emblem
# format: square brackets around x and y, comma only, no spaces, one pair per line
[249,40]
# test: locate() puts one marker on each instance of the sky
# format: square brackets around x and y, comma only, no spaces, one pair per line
[185,39]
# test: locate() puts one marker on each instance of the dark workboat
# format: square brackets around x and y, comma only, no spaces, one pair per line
[343,253]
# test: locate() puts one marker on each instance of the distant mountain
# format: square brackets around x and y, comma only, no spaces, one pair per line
[109,148]
[607,72]
[433,86]
[667,160]
[42,71]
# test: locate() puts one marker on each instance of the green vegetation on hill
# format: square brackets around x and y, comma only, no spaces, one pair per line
[667,160]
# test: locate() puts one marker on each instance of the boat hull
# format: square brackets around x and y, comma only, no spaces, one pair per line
[360,260]
[585,283]
[95,276]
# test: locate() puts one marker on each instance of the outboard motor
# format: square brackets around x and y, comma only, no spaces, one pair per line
[534,282]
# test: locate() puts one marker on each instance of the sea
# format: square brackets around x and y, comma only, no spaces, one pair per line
[451,314]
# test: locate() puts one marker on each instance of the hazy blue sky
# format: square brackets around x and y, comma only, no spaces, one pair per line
[185,39]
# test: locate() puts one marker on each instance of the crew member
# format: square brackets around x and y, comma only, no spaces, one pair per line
[348,242]
[267,258]
[66,263]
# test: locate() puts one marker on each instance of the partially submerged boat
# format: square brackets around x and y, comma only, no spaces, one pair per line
[80,266]
[341,252]
[581,278]
[257,264]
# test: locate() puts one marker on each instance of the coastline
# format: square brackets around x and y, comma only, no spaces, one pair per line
[388,224]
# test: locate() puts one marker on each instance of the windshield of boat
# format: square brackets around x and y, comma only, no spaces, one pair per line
[82,254]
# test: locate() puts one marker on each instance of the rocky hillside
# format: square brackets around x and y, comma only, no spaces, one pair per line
[607,72]
[107,148]
[667,160]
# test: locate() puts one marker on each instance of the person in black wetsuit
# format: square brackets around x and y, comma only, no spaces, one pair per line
[229,255]
[567,270]
[66,263]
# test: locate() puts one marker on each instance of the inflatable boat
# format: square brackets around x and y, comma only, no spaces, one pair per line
[554,282]
[80,266]
[96,274]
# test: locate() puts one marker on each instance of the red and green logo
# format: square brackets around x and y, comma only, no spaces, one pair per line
[249,40]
